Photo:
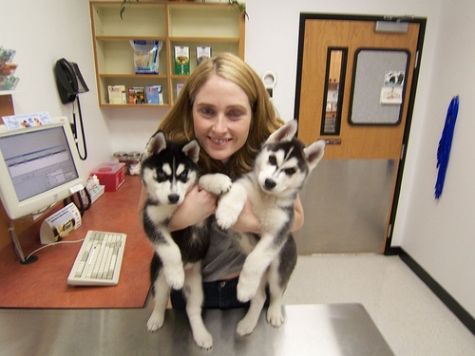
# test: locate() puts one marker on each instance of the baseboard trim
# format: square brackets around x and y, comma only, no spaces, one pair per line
[435,287]
[393,251]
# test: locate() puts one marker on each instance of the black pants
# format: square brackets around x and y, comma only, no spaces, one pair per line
[217,295]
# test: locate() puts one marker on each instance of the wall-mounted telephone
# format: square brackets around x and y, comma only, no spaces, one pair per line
[70,83]
[69,80]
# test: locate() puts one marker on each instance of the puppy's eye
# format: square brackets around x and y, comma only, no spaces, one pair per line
[272,160]
[289,171]
[161,175]
[183,175]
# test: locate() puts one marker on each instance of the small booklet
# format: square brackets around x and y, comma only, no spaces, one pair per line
[116,94]
[35,119]
[202,53]
[153,93]
[182,60]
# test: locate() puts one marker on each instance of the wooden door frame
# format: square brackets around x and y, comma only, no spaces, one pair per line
[388,250]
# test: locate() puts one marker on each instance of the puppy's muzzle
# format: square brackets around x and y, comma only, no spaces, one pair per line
[173,198]
[269,184]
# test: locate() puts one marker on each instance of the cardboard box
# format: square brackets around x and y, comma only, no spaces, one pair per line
[111,175]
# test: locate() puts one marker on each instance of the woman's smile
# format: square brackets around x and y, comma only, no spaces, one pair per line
[220,141]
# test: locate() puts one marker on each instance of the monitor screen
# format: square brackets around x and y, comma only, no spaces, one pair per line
[38,161]
[38,166]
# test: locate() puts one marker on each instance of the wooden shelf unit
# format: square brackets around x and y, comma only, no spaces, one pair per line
[174,23]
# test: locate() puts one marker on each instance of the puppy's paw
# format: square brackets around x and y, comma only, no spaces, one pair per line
[203,339]
[216,183]
[245,326]
[226,214]
[275,317]
[155,321]
[247,287]
[175,276]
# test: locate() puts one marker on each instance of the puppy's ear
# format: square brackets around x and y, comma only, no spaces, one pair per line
[156,144]
[192,150]
[284,133]
[314,153]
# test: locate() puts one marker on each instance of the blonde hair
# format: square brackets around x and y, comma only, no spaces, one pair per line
[178,123]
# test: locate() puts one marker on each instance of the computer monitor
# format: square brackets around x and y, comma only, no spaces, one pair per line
[38,167]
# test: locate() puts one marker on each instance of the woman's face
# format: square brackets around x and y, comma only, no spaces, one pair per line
[221,117]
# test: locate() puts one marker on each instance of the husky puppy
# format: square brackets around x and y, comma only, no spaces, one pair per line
[280,171]
[169,171]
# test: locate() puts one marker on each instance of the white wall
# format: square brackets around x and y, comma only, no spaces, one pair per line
[42,32]
[437,234]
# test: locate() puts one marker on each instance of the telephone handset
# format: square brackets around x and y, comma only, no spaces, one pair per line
[69,80]
[70,83]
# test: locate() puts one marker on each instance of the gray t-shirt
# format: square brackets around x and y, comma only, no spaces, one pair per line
[224,256]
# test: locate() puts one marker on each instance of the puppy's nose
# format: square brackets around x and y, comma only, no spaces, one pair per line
[269,184]
[173,198]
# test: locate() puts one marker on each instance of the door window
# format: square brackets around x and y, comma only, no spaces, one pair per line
[334,89]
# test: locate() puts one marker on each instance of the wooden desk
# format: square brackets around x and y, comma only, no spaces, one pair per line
[334,329]
[43,284]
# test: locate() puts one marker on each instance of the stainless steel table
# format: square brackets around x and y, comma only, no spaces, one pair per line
[334,329]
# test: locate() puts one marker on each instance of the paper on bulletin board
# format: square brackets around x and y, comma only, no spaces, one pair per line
[391,92]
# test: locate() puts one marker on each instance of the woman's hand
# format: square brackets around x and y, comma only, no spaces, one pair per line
[197,206]
[298,215]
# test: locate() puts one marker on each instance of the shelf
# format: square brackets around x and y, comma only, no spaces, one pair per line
[135,106]
[180,77]
[220,26]
[141,19]
[133,76]
[130,38]
[117,57]
[193,39]
[206,39]
[197,20]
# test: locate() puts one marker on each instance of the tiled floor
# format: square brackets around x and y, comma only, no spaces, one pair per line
[411,318]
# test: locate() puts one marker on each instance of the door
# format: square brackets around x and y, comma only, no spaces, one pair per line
[355,89]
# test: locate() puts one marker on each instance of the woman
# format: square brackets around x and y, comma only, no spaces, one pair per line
[225,107]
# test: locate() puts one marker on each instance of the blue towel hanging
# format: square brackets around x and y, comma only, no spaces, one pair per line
[445,143]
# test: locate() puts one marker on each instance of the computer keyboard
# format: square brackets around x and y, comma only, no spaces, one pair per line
[99,260]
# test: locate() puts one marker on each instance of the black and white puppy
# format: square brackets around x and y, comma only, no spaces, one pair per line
[279,172]
[169,170]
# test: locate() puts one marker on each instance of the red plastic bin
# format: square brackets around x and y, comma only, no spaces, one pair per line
[111,175]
